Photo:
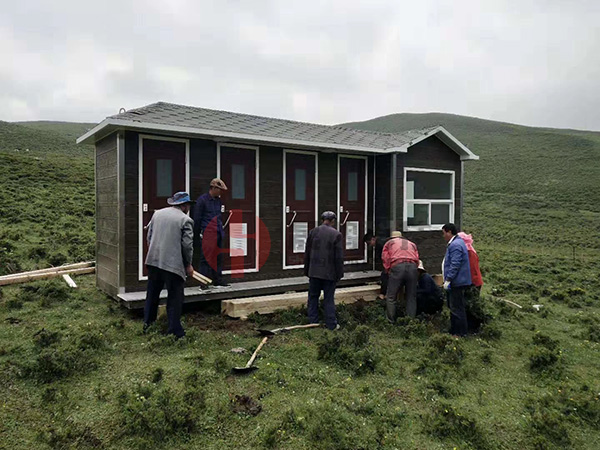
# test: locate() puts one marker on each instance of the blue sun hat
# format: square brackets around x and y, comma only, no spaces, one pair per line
[180,198]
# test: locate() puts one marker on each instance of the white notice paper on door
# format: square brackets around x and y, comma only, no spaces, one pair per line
[300,236]
[352,235]
[238,241]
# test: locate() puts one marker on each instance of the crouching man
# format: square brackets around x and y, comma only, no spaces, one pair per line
[169,260]
[400,260]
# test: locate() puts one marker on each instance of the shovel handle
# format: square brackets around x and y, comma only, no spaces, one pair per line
[295,327]
[253,357]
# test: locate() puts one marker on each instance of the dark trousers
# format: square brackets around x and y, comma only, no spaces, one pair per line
[458,314]
[384,282]
[210,251]
[157,280]
[402,275]
[315,286]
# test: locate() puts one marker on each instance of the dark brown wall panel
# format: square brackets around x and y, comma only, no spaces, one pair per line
[106,214]
[429,154]
[203,166]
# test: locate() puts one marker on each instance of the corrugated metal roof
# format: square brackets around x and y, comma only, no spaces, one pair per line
[224,121]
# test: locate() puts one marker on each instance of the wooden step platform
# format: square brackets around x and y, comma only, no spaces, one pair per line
[243,307]
[244,289]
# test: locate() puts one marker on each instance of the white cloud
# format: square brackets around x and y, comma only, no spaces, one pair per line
[535,62]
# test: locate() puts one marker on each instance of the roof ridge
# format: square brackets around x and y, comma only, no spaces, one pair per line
[254,116]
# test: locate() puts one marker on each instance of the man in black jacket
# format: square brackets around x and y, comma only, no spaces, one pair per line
[324,265]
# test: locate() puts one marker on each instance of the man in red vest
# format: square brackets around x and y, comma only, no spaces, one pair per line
[400,260]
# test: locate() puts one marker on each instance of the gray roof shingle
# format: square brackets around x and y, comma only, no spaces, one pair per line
[209,119]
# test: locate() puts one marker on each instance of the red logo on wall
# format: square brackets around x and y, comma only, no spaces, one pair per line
[213,245]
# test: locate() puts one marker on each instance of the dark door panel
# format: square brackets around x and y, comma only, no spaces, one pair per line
[352,196]
[238,171]
[300,204]
[164,173]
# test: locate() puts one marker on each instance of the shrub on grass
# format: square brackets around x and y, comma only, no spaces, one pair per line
[57,259]
[154,413]
[445,349]
[44,338]
[68,434]
[54,357]
[574,303]
[222,363]
[325,426]
[545,353]
[157,375]
[445,422]
[409,327]
[350,350]
[46,292]
[592,332]
[13,303]
[490,331]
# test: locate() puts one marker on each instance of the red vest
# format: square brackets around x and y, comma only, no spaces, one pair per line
[476,279]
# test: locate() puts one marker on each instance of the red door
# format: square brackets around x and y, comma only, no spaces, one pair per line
[352,196]
[300,204]
[163,175]
[238,171]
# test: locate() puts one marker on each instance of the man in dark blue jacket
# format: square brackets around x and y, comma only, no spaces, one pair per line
[457,277]
[324,266]
[208,232]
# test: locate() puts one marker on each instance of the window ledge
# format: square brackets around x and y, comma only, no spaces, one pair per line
[424,228]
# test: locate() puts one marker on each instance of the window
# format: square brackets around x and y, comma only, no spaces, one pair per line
[352,186]
[428,198]
[238,182]
[164,177]
[300,185]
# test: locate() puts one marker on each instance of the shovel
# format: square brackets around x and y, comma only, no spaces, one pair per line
[249,367]
[264,332]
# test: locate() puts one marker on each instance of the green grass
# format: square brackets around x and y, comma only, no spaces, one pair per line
[46,199]
[77,372]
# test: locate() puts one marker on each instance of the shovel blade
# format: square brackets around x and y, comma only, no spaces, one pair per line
[243,370]
[264,332]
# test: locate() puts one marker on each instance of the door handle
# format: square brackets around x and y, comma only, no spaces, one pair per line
[228,218]
[292,221]
[345,218]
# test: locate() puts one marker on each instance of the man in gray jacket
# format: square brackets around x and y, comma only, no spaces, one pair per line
[169,260]
[324,265]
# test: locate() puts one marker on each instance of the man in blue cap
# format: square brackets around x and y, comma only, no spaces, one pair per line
[324,266]
[169,260]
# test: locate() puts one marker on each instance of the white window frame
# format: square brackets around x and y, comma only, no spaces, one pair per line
[451,201]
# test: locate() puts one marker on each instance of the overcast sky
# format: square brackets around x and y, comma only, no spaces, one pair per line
[534,62]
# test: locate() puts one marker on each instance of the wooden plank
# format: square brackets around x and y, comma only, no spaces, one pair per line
[40,276]
[49,269]
[69,281]
[270,303]
[201,278]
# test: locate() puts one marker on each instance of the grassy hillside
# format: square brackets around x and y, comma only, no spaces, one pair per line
[77,372]
[533,186]
[46,199]
[69,130]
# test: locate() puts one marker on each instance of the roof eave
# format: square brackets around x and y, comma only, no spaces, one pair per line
[89,137]
[447,138]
